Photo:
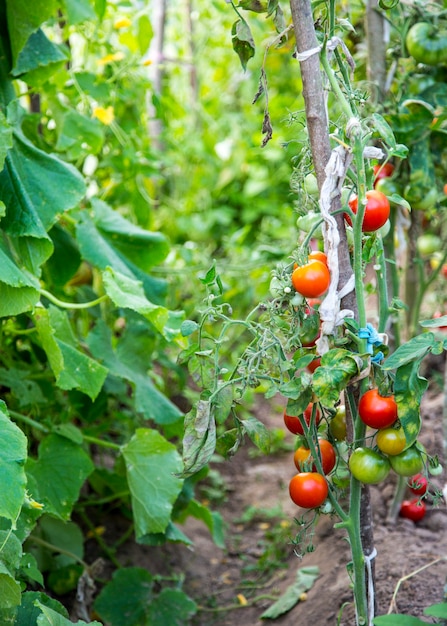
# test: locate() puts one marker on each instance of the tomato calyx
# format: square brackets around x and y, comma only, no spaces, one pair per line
[418,484]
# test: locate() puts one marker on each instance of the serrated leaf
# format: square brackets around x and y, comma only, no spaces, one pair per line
[24,19]
[414,349]
[128,594]
[39,59]
[409,388]
[243,42]
[305,578]
[171,606]
[199,439]
[336,370]
[50,617]
[128,293]
[152,465]
[13,454]
[149,401]
[58,474]
[258,433]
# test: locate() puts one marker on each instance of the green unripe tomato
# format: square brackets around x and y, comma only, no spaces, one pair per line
[311,184]
[368,466]
[308,221]
[420,198]
[428,244]
[427,44]
[409,462]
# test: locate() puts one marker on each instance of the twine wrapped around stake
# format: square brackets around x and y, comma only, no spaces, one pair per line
[330,313]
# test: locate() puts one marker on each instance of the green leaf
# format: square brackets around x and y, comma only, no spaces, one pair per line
[258,433]
[336,370]
[24,19]
[128,293]
[26,391]
[173,607]
[199,439]
[188,327]
[384,129]
[141,247]
[128,594]
[13,454]
[393,619]
[434,323]
[437,610]
[72,368]
[414,349]
[29,570]
[10,592]
[19,290]
[58,474]
[152,463]
[78,134]
[49,617]
[28,611]
[258,6]
[145,33]
[211,519]
[409,388]
[39,59]
[305,578]
[78,11]
[149,401]
[5,138]
[243,42]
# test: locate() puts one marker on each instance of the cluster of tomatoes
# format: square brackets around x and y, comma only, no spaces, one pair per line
[369,464]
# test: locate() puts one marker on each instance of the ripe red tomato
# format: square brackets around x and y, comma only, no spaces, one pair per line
[391,440]
[382,171]
[293,423]
[377,210]
[302,457]
[312,279]
[316,255]
[413,509]
[368,466]
[418,484]
[308,489]
[314,364]
[377,411]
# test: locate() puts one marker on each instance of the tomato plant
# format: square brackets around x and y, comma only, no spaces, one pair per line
[427,43]
[308,489]
[293,422]
[377,210]
[418,484]
[368,466]
[391,441]
[311,279]
[409,462]
[414,510]
[302,457]
[377,411]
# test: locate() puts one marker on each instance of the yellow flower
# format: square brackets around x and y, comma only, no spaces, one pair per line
[106,116]
[147,62]
[109,58]
[122,22]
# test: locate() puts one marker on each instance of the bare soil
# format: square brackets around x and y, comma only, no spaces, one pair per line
[257,509]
